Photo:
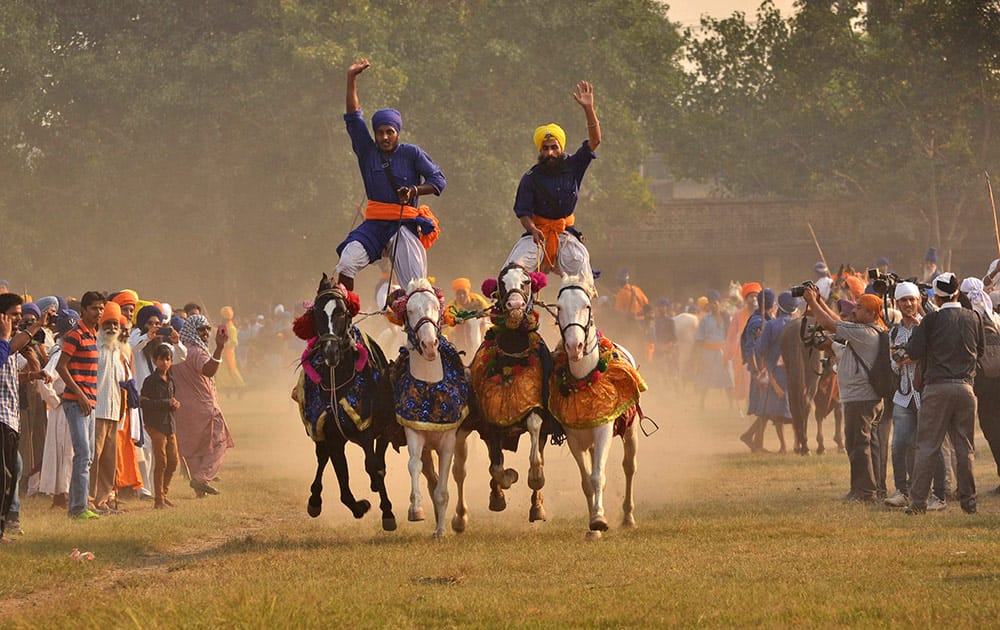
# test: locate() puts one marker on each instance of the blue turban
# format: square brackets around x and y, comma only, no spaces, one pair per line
[145,313]
[389,117]
[30,308]
[663,302]
[931,255]
[882,261]
[177,322]
[47,302]
[768,299]
[713,295]
[66,320]
[786,302]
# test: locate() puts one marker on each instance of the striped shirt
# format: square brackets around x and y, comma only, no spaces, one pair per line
[80,344]
[10,412]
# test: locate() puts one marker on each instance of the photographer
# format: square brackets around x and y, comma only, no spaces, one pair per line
[906,403]
[862,406]
[950,342]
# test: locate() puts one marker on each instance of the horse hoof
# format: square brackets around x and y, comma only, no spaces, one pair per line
[820,450]
[437,536]
[459,523]
[537,514]
[361,508]
[599,524]
[314,507]
[536,481]
[628,522]
[593,535]
[498,502]
[389,524]
[415,514]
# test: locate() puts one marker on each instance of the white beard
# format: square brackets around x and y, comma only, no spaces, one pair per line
[109,341]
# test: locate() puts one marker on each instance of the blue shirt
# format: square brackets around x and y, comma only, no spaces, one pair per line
[769,344]
[563,188]
[410,165]
[10,402]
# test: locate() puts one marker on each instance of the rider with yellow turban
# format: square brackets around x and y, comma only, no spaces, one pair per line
[465,329]
[547,195]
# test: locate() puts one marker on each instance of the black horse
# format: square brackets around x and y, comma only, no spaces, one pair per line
[344,395]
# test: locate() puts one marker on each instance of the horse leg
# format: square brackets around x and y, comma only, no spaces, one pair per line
[820,447]
[315,505]
[498,502]
[429,470]
[415,448]
[537,511]
[578,447]
[629,461]
[458,470]
[339,461]
[536,473]
[375,466]
[599,460]
[446,454]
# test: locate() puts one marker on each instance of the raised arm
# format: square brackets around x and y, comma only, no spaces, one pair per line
[824,315]
[352,103]
[584,95]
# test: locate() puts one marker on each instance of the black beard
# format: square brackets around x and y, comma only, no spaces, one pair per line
[551,166]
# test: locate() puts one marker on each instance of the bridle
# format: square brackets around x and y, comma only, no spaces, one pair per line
[524,290]
[586,328]
[411,331]
[342,340]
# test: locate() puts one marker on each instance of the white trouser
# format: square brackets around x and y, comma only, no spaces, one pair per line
[410,264]
[572,257]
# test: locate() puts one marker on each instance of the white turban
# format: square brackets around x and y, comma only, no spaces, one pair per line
[906,289]
[981,302]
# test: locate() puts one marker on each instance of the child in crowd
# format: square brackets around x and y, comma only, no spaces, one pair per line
[158,406]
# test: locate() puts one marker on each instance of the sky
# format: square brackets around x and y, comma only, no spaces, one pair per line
[687,12]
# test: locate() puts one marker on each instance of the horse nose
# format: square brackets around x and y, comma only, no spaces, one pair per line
[575,350]
[429,347]
[515,302]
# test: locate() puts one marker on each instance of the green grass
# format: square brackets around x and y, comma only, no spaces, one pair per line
[724,539]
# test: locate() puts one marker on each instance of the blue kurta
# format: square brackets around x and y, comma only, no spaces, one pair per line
[768,353]
[564,188]
[410,165]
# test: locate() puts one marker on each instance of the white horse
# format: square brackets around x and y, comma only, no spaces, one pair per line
[431,390]
[594,395]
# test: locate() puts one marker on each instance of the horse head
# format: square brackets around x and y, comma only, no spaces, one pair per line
[421,310]
[576,316]
[332,315]
[515,292]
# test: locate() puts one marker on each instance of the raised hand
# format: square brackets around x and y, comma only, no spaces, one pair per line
[358,67]
[584,94]
[5,326]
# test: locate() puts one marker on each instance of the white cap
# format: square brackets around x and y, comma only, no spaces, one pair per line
[905,290]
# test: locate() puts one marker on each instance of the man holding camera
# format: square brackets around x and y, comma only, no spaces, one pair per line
[950,342]
[862,406]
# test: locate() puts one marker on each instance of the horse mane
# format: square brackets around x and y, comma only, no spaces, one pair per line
[570,280]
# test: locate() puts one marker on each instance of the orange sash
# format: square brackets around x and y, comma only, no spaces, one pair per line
[381,211]
[552,228]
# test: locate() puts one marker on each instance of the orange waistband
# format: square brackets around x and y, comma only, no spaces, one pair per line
[381,211]
[552,228]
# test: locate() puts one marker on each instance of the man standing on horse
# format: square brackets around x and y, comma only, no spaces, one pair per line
[547,196]
[395,175]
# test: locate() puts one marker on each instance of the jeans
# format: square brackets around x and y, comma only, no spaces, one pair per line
[81,433]
[14,513]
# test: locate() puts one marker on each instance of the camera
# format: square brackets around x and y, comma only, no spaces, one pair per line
[814,336]
[800,290]
[165,332]
[898,353]
[883,284]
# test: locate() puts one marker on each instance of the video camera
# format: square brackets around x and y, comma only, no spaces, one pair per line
[883,284]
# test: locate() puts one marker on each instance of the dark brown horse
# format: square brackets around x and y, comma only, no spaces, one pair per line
[344,395]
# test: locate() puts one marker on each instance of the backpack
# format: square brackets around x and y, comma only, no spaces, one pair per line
[880,374]
[989,362]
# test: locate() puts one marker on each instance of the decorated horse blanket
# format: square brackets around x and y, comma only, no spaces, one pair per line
[424,406]
[608,394]
[355,398]
[510,382]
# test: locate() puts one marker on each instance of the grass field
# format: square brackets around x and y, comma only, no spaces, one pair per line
[724,539]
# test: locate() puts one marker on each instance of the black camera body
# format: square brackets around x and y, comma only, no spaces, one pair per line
[883,284]
[800,290]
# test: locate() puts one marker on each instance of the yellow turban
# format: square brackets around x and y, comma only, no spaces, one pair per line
[552,130]
[226,312]
[139,304]
[461,283]
[702,302]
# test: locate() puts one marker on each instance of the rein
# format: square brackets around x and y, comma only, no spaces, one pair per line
[586,328]
[411,331]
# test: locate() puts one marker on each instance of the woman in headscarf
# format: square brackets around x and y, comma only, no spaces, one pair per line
[202,434]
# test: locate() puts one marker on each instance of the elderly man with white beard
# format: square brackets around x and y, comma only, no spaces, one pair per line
[107,411]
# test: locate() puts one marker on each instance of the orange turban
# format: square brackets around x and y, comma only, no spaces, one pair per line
[550,130]
[750,287]
[226,312]
[872,303]
[459,284]
[126,297]
[112,313]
